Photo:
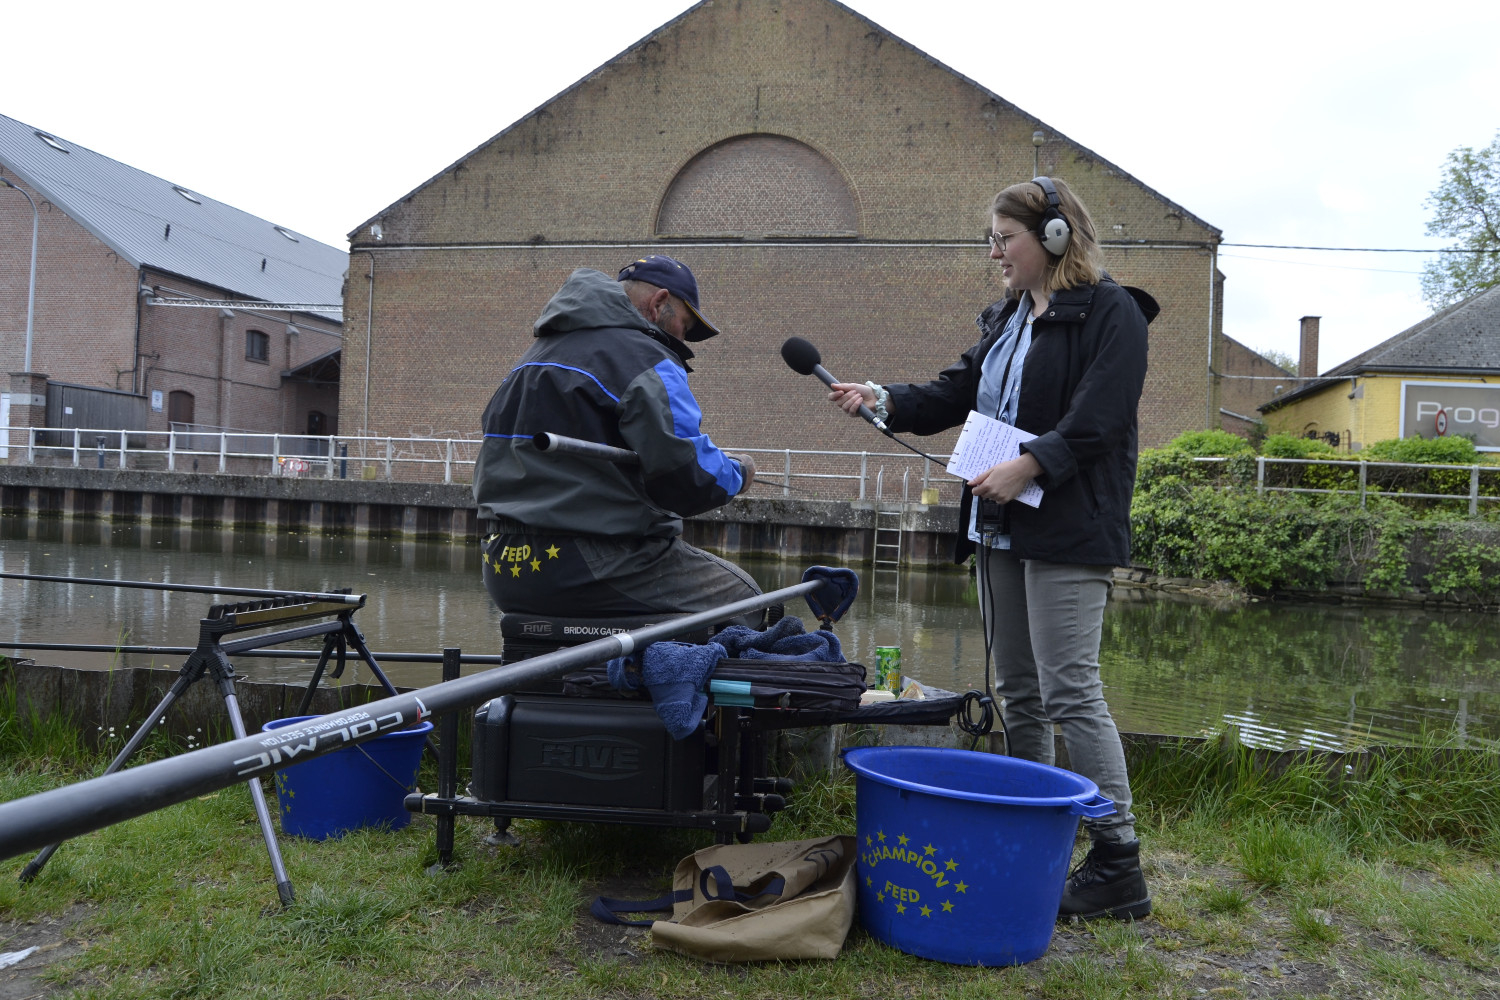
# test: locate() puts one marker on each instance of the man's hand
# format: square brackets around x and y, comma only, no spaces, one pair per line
[747,466]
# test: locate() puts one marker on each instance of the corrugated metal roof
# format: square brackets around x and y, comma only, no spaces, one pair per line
[208,241]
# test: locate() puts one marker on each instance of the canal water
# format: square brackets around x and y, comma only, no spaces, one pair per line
[1285,675]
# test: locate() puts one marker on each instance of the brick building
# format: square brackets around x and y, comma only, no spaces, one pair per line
[1250,380]
[822,177]
[166,304]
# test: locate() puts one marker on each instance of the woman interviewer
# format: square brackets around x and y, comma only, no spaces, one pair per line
[1062,356]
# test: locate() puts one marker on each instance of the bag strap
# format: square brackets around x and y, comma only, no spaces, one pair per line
[609,910]
[723,886]
[714,883]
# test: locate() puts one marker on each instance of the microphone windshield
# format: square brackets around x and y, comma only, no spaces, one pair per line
[800,356]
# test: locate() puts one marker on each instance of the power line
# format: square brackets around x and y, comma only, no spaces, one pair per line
[1303,263]
[1280,246]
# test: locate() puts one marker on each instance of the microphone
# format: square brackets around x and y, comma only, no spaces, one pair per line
[804,359]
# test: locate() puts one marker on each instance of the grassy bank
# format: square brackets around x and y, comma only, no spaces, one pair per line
[1286,882]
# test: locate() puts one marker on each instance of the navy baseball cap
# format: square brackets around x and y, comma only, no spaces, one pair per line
[673,275]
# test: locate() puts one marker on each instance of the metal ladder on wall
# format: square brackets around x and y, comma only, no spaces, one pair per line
[889,517]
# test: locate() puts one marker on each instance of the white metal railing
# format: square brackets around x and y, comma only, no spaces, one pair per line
[838,475]
[1364,488]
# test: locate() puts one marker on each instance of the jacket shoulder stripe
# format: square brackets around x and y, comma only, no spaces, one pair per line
[552,364]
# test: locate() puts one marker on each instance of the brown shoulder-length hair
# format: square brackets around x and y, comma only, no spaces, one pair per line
[1027,204]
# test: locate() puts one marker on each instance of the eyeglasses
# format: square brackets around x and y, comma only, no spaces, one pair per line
[999,240]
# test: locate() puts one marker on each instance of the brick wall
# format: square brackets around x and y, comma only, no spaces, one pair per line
[663,149]
[1251,381]
[83,330]
[203,352]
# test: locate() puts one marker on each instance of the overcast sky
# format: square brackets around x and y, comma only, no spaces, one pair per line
[1293,123]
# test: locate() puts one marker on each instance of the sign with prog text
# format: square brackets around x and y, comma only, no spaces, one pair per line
[1445,409]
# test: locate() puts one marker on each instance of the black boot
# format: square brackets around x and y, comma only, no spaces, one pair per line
[1107,883]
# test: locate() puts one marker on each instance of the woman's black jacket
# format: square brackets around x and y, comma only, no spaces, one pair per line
[1080,387]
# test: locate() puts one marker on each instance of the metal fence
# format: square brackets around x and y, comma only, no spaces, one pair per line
[1385,479]
[880,477]
[871,476]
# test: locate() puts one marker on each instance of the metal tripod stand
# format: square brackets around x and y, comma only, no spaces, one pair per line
[211,657]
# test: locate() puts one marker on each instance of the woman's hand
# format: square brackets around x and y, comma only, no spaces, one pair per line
[849,396]
[1004,482]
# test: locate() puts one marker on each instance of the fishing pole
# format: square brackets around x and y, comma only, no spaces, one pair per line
[45,818]
[282,654]
[302,595]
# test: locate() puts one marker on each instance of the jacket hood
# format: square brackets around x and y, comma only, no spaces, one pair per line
[588,300]
[592,300]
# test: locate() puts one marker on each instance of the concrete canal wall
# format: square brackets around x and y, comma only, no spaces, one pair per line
[839,531]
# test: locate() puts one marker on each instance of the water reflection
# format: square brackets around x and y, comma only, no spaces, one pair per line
[1284,675]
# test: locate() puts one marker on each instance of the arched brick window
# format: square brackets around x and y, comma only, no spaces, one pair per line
[755,186]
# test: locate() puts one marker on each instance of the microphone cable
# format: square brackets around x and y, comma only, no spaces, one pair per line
[977,715]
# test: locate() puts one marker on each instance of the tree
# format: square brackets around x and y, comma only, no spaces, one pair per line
[1466,205]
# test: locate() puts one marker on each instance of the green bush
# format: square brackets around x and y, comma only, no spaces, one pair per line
[1425,451]
[1210,444]
[1311,477]
[1291,446]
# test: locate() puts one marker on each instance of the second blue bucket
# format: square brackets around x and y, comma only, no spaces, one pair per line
[358,786]
[963,855]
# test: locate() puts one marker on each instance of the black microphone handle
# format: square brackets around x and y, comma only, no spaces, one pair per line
[864,411]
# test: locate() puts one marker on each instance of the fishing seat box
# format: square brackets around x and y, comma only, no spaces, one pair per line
[540,746]
[588,752]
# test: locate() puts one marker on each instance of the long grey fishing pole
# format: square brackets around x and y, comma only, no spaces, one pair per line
[306,595]
[45,818]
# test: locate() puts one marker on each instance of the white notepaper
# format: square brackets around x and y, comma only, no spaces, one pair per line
[985,442]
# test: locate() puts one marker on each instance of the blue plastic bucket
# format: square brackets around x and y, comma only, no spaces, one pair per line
[361,785]
[962,855]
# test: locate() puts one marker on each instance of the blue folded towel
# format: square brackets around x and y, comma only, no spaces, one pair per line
[677,673]
[785,640]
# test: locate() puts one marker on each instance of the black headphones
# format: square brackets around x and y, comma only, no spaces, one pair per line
[1054,231]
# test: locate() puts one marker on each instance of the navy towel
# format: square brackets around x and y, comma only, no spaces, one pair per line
[677,673]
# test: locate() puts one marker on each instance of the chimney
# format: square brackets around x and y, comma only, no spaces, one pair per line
[1307,348]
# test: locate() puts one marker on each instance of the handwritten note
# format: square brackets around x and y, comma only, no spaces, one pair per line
[986,442]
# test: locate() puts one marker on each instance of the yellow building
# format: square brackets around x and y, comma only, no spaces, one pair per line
[1439,377]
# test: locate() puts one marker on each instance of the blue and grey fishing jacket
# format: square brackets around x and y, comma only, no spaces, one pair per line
[599,371]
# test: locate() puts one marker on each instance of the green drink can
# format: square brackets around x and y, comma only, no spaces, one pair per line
[887,669]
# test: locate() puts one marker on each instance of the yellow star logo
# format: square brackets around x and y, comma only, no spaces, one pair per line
[951,864]
[947,906]
[869,841]
[869,882]
[961,886]
[880,897]
[536,565]
[900,907]
[929,850]
[552,551]
[903,840]
[880,836]
[926,911]
[515,571]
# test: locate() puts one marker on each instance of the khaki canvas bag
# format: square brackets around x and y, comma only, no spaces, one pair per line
[754,902]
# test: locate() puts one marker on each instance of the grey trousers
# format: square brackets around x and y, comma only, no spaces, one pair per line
[1045,621]
[582,575]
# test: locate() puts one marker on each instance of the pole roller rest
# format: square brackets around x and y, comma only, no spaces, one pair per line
[36,821]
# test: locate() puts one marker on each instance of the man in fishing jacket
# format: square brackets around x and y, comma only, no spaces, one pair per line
[571,536]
